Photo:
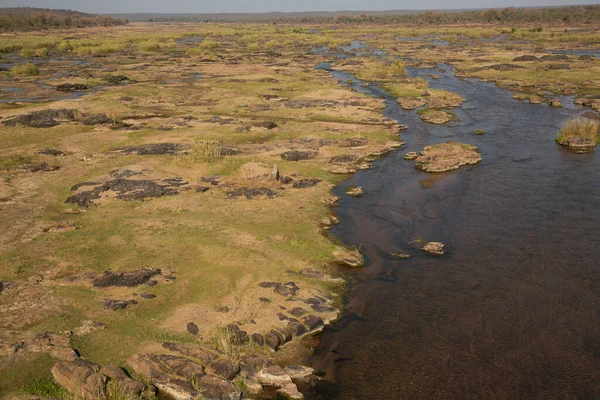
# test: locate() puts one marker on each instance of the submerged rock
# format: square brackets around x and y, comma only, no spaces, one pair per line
[355,191]
[435,248]
[350,258]
[447,157]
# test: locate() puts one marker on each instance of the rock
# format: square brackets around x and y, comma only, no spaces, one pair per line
[297,328]
[236,335]
[557,66]
[127,386]
[251,193]
[266,124]
[193,328]
[223,368]
[275,172]
[95,119]
[350,258]
[298,311]
[411,155]
[410,103]
[437,117]
[313,322]
[115,305]
[297,155]
[154,149]
[499,67]
[305,183]
[205,356]
[51,152]
[555,57]
[80,377]
[273,375]
[127,190]
[401,255]
[147,296]
[535,100]
[273,340]
[355,191]
[41,167]
[354,142]
[42,118]
[258,339]
[298,371]
[118,79]
[127,279]
[202,189]
[555,103]
[286,333]
[447,157]
[180,366]
[526,58]
[435,248]
[586,57]
[285,180]
[211,387]
[72,87]
[311,273]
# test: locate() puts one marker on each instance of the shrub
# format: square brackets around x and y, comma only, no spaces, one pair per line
[205,151]
[579,129]
[149,46]
[398,68]
[25,69]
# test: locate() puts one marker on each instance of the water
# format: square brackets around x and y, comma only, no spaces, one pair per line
[512,311]
[579,52]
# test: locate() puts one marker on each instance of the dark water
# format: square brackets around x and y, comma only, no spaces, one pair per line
[512,311]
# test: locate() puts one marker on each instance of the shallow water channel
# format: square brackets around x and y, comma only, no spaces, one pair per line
[512,311]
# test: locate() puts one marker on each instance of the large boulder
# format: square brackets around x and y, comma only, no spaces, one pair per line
[81,378]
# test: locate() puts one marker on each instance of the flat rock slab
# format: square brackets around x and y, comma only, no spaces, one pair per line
[251,193]
[447,157]
[154,149]
[127,190]
[80,377]
[127,279]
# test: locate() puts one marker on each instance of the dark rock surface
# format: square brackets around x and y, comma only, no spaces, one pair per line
[251,192]
[128,279]
[297,155]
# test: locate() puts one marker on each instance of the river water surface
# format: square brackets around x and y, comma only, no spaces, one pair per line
[512,311]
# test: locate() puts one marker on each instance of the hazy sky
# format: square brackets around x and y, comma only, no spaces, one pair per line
[214,6]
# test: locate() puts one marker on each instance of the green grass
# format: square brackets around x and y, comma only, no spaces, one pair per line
[45,387]
[25,69]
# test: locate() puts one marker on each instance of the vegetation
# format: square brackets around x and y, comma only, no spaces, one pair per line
[33,19]
[581,130]
[25,69]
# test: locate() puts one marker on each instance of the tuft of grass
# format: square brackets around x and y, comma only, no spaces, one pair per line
[207,151]
[45,387]
[14,161]
[478,132]
[149,46]
[579,128]
[25,69]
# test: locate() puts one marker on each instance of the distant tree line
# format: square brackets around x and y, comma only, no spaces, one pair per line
[568,14]
[34,19]
[579,14]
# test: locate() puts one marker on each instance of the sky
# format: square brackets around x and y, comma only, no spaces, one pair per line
[245,6]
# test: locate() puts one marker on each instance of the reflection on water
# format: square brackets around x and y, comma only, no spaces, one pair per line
[512,311]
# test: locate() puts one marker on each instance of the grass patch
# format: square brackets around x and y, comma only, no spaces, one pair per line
[45,387]
[25,69]
[580,129]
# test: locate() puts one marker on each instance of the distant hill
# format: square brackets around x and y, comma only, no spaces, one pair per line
[33,19]
[583,13]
